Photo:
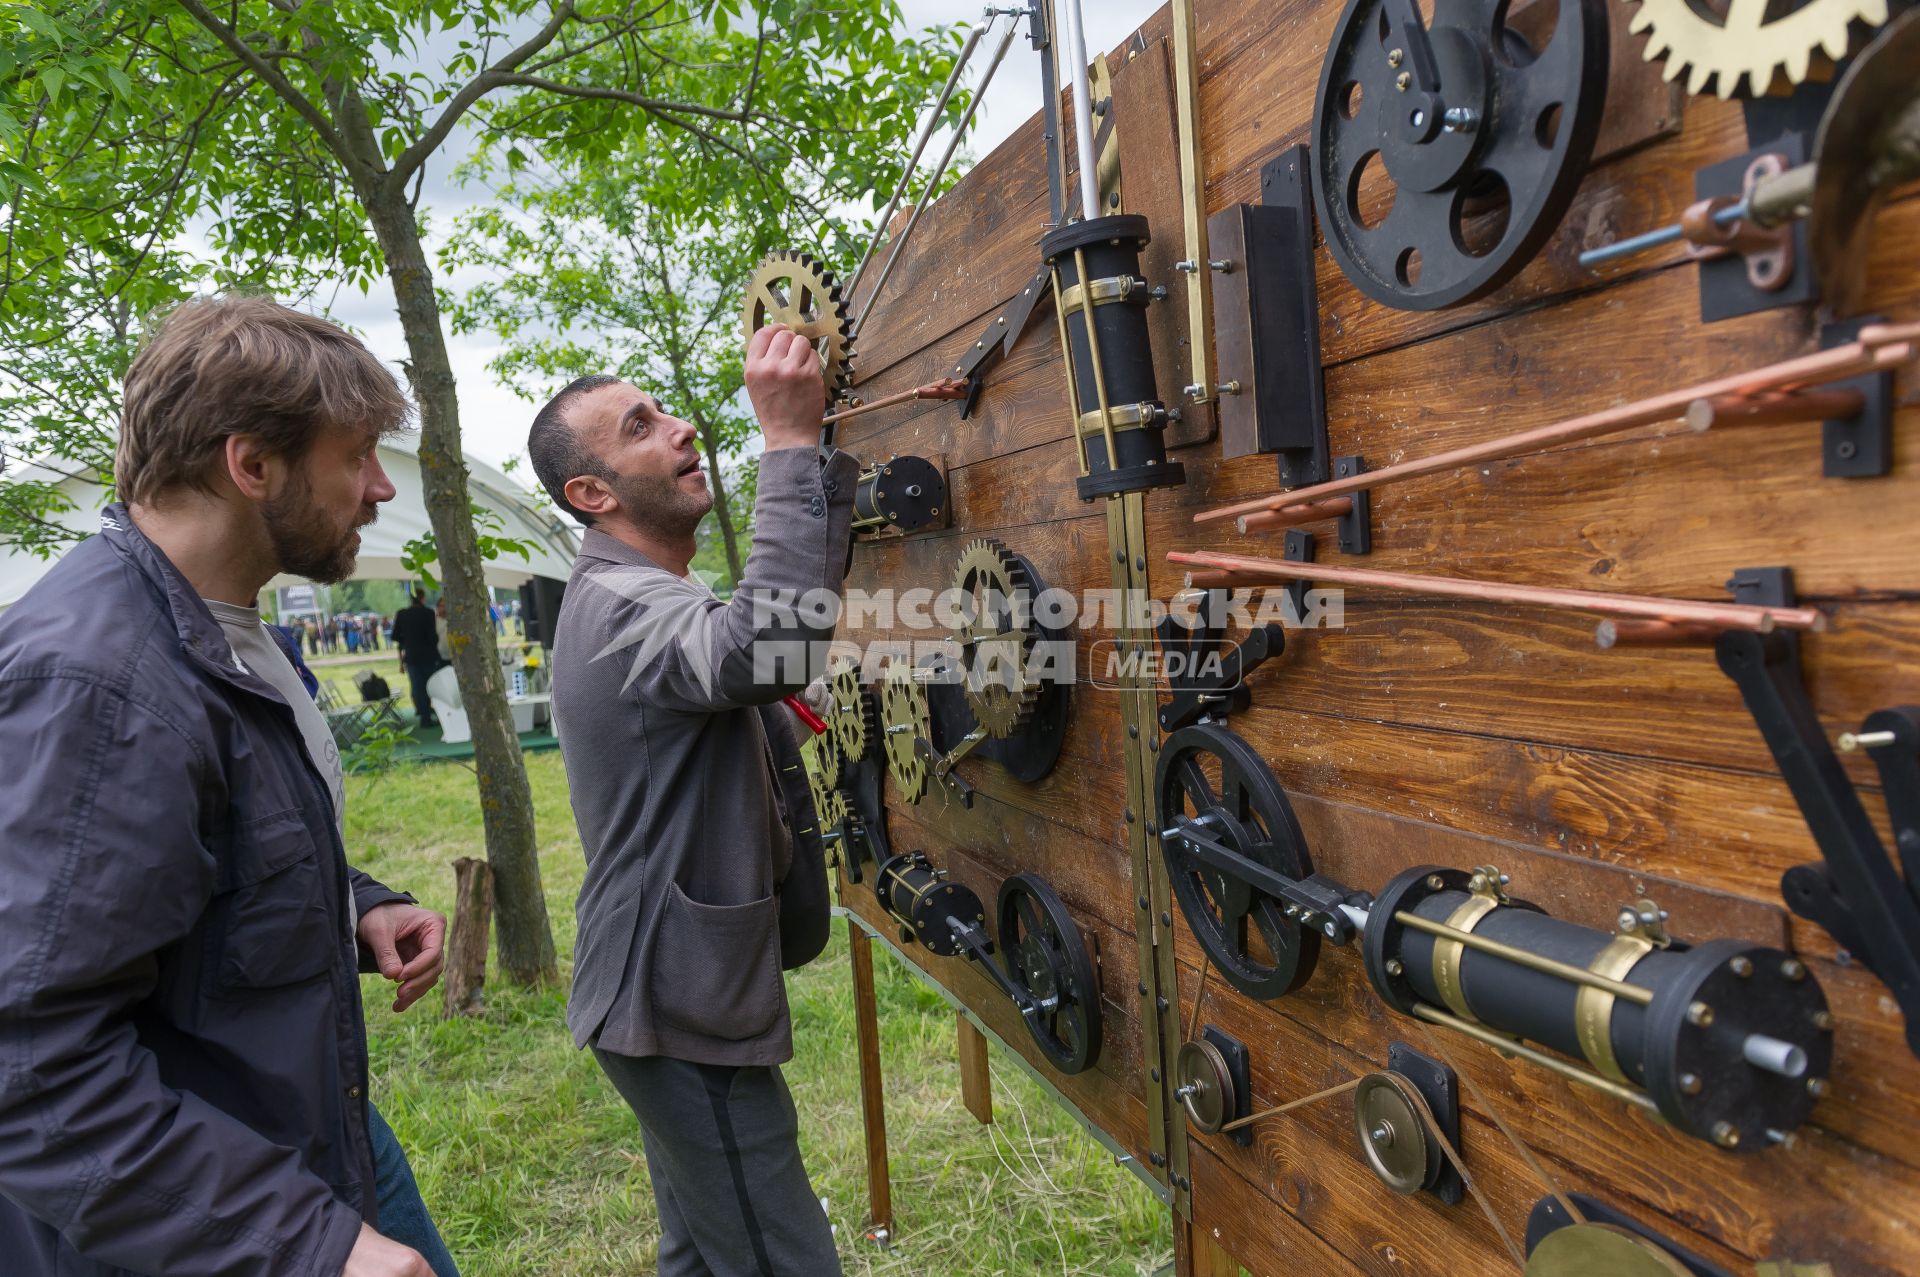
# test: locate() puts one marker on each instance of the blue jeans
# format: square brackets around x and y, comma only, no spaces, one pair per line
[403,1214]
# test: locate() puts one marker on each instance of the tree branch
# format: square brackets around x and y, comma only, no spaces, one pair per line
[271,76]
[475,89]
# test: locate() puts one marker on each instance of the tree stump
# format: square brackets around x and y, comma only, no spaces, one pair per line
[467,940]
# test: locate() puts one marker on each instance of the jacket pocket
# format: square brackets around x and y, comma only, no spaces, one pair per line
[716,968]
[271,924]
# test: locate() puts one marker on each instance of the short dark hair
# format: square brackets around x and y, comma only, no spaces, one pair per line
[555,448]
[215,367]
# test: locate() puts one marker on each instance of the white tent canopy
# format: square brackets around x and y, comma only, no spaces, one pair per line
[551,539]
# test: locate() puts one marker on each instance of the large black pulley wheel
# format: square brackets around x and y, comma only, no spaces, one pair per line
[1212,782]
[1433,200]
[1048,961]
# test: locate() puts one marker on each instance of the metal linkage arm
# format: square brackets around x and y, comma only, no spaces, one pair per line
[972,939]
[1334,910]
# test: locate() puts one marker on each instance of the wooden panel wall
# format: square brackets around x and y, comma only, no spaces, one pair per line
[1450,732]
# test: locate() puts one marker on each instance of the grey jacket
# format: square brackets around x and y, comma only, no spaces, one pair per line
[656,693]
[184,1080]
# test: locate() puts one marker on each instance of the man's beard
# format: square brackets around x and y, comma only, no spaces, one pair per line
[305,540]
[660,505]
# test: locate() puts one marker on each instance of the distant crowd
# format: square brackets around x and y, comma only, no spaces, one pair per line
[350,633]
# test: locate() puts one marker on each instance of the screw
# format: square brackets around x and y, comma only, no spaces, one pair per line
[1816,1087]
[1156,1075]
[1382,1135]
[1161,1003]
[1823,1020]
[1395,966]
[1402,81]
[1699,1013]
[1187,266]
[1143,988]
[1725,1135]
[1845,449]
[1629,920]
[1166,920]
[1222,265]
[1690,1084]
[1850,741]
[1793,969]
[1396,56]
[1158,292]
[1227,388]
[1460,119]
[1436,882]
[1158,1159]
[1741,966]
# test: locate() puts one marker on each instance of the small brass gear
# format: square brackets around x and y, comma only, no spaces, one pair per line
[996,636]
[851,718]
[821,761]
[1753,42]
[793,289]
[904,719]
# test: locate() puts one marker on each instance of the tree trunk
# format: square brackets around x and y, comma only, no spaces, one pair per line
[728,537]
[506,800]
[467,940]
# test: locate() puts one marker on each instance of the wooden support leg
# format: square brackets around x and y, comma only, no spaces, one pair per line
[873,1105]
[976,1084]
[466,968]
[1197,1254]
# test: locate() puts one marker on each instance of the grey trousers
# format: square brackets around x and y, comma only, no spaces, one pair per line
[723,1151]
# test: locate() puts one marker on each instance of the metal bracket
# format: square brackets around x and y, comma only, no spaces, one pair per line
[999,339]
[1209,680]
[1356,525]
[1234,1052]
[1855,894]
[1726,289]
[1860,446]
[1298,548]
[1441,1090]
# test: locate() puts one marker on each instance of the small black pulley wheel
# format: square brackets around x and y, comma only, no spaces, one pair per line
[1473,179]
[1047,960]
[1245,931]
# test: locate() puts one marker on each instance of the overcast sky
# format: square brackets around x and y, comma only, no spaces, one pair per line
[494,420]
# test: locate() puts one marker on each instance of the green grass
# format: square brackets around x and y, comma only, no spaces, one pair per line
[531,1163]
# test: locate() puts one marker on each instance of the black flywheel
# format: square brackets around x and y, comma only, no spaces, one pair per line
[1047,960]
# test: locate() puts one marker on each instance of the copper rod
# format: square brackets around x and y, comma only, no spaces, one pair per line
[1728,616]
[948,388]
[1225,581]
[1773,409]
[1836,364]
[1293,516]
[1611,633]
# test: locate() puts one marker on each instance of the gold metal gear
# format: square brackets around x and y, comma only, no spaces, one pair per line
[793,289]
[851,717]
[904,719]
[996,637]
[821,760]
[1752,43]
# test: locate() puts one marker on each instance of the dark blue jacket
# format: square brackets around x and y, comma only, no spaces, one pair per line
[183,1063]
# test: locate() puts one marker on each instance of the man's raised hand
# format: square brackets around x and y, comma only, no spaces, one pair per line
[784,382]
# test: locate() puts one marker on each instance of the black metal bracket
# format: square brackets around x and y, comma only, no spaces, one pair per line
[1356,525]
[1860,446]
[1549,1216]
[1855,893]
[1440,1088]
[1317,897]
[1207,674]
[1298,547]
[1725,290]
[1234,1052]
[999,338]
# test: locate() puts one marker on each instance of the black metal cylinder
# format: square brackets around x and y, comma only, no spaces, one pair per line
[1110,247]
[904,492]
[1715,1007]
[922,900]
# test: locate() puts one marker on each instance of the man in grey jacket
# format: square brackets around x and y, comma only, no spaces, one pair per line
[667,705]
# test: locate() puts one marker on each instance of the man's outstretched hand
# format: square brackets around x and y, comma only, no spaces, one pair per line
[408,944]
[784,382]
[375,1256]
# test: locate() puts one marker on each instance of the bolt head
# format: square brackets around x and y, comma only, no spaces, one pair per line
[1823,1020]
[1382,1135]
[1332,928]
[1700,1014]
[1396,56]
[1741,966]
[1725,1135]
[1816,1087]
[1395,966]
[1690,1084]
[1793,969]
[1436,882]
[1403,81]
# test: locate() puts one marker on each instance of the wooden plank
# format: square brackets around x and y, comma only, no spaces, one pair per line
[873,1102]
[976,1077]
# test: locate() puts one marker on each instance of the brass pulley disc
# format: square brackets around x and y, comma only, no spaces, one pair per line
[904,718]
[793,289]
[1205,1085]
[1600,1250]
[1393,1133]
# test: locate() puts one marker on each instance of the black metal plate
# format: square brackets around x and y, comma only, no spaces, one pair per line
[1725,292]
[1234,1052]
[1858,447]
[1441,1090]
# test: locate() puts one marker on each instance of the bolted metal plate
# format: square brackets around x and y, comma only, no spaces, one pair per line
[1393,1134]
[1600,1250]
[1206,1085]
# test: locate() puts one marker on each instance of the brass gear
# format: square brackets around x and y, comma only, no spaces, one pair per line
[904,716]
[793,289]
[822,764]
[996,636]
[1748,44]
[851,716]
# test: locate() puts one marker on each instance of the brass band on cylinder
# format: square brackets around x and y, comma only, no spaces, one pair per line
[1106,292]
[1449,950]
[1593,1004]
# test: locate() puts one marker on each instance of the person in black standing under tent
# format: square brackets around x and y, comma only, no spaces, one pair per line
[418,639]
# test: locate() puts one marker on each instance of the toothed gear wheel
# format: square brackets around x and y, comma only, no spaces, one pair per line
[903,712]
[793,289]
[996,637]
[851,718]
[1753,42]
[822,765]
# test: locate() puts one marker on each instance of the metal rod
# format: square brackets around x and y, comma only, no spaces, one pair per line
[1774,1056]
[1611,633]
[1532,961]
[1654,239]
[1879,346]
[933,183]
[1294,515]
[1512,1046]
[926,134]
[1773,409]
[1099,372]
[1073,380]
[1730,616]
[1076,53]
[950,388]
